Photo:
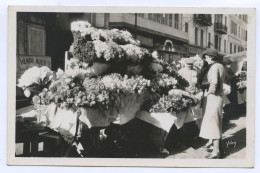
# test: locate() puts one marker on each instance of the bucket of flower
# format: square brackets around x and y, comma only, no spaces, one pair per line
[241,85]
[166,107]
[35,82]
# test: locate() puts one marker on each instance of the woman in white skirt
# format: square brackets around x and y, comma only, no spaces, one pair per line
[211,127]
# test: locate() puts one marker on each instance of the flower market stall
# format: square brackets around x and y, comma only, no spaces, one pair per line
[238,66]
[109,83]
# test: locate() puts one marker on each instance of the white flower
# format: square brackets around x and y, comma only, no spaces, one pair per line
[155,54]
[45,71]
[80,26]
[59,73]
[226,89]
[30,76]
[27,93]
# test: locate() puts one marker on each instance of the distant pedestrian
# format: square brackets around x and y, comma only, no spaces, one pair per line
[189,73]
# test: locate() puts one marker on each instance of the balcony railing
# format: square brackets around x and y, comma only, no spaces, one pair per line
[203,19]
[220,28]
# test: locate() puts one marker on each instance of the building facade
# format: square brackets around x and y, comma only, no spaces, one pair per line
[48,35]
[160,32]
[43,38]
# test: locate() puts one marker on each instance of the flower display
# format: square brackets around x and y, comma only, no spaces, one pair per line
[84,50]
[108,50]
[198,62]
[226,89]
[123,37]
[135,53]
[80,26]
[35,79]
[91,44]
[173,103]
[241,81]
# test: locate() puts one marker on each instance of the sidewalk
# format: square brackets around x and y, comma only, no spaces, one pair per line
[234,142]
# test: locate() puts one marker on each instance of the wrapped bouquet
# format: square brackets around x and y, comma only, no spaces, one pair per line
[241,81]
[35,79]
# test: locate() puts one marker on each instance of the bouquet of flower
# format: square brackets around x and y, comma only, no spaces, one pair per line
[84,50]
[226,89]
[108,50]
[122,37]
[194,92]
[241,81]
[35,79]
[80,26]
[172,70]
[97,95]
[64,89]
[173,103]
[135,54]
[198,62]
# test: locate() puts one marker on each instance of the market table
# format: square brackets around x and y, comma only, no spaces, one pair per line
[64,121]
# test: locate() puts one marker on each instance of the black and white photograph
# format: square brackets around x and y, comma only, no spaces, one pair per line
[162,86]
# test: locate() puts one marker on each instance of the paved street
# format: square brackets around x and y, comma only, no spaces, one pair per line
[234,142]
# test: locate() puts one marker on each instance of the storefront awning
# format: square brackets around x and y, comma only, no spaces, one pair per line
[236,57]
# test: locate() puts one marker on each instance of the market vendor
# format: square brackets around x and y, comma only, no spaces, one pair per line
[188,72]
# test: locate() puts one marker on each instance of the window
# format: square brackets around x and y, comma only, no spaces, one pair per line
[225,20]
[233,27]
[196,36]
[159,18]
[225,46]
[216,42]
[219,44]
[201,38]
[230,47]
[218,18]
[176,21]
[166,19]
[235,48]
[36,40]
[154,17]
[186,27]
[162,19]
[170,19]
[246,36]
[209,40]
[244,18]
[239,31]
[150,16]
[140,14]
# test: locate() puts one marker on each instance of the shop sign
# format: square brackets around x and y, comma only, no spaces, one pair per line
[195,50]
[25,62]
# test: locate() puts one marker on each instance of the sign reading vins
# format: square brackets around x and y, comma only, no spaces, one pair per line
[25,62]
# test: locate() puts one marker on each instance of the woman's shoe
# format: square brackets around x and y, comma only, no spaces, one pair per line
[214,156]
[208,145]
[210,149]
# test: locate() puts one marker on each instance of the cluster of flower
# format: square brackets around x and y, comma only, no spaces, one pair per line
[35,79]
[74,89]
[241,81]
[175,102]
[91,44]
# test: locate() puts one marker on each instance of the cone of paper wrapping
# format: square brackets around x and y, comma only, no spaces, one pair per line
[62,120]
[96,118]
[241,97]
[41,113]
[129,105]
[161,125]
